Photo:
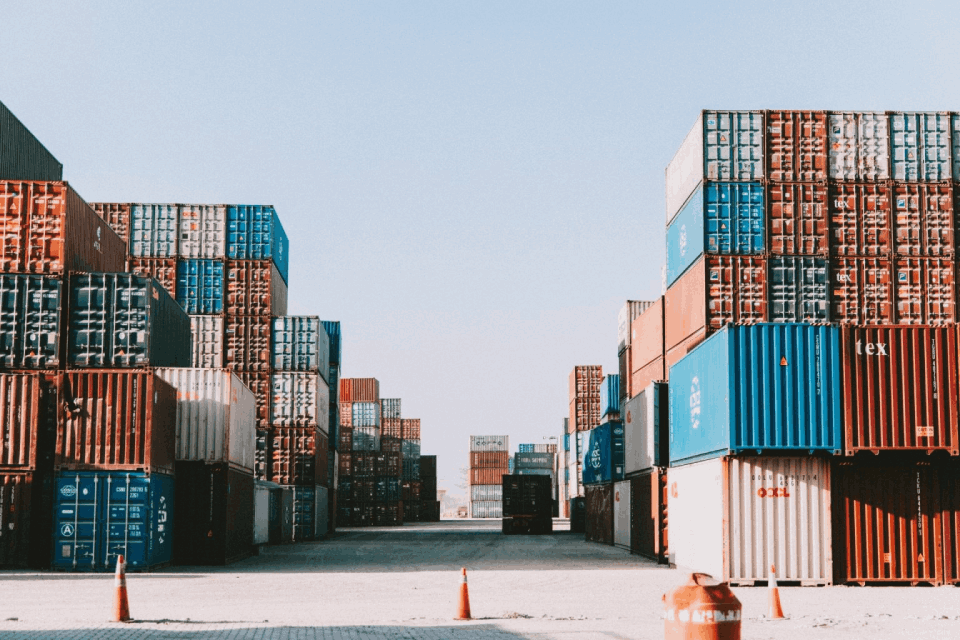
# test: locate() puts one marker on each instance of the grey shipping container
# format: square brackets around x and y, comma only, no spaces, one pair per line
[154,229]
[121,320]
[207,337]
[30,321]
[300,343]
[22,156]
[299,399]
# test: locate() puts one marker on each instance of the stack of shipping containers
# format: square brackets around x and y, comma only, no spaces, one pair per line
[602,462]
[584,415]
[489,457]
[332,328]
[429,503]
[410,446]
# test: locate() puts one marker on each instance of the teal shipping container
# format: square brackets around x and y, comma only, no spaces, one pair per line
[757,388]
[610,394]
[254,232]
[603,453]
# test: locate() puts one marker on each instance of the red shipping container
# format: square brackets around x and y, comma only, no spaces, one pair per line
[390,428]
[926,291]
[599,506]
[648,511]
[950,503]
[46,228]
[26,519]
[488,475]
[254,288]
[798,219]
[346,414]
[924,219]
[585,380]
[487,459]
[900,388]
[861,219]
[862,291]
[646,337]
[259,383]
[163,269]
[410,428]
[117,420]
[888,524]
[359,390]
[584,413]
[20,421]
[248,343]
[345,464]
[298,455]
[796,146]
[653,372]
[345,437]
[117,215]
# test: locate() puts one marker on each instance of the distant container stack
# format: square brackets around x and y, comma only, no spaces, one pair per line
[585,414]
[488,464]
[527,504]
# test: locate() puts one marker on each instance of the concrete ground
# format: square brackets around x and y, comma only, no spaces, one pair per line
[404,583]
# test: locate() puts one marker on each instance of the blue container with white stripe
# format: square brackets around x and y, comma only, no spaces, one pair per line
[254,232]
[200,286]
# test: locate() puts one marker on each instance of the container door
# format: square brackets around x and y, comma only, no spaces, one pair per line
[136,520]
[621,515]
[75,521]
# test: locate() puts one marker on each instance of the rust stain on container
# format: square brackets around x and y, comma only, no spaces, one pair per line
[359,390]
[862,291]
[796,146]
[926,291]
[164,270]
[255,288]
[798,219]
[247,340]
[861,219]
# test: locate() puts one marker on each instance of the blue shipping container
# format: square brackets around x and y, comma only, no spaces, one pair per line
[720,218]
[100,515]
[566,442]
[603,453]
[610,394]
[200,286]
[333,332]
[764,387]
[254,232]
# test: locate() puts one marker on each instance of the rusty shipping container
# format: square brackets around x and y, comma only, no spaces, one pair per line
[949,475]
[410,428]
[799,219]
[207,342]
[796,146]
[488,475]
[117,420]
[900,387]
[861,220]
[653,372]
[47,228]
[247,340]
[28,420]
[255,288]
[117,215]
[163,270]
[599,521]
[485,459]
[926,291]
[861,291]
[646,337]
[213,514]
[26,518]
[585,380]
[299,456]
[391,428]
[887,522]
[648,512]
[924,220]
[259,384]
[359,390]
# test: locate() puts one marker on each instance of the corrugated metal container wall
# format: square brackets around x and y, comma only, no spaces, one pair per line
[366,414]
[200,286]
[203,230]
[47,228]
[900,388]
[30,321]
[254,232]
[163,270]
[623,362]
[628,313]
[488,475]
[888,523]
[861,291]
[119,420]
[410,428]
[799,289]
[123,320]
[859,146]
[599,516]
[486,492]
[799,219]
[390,410]
[734,517]
[622,520]
[300,343]
[861,220]
[366,438]
[646,338]
[796,146]
[26,505]
[925,225]
[117,215]
[490,443]
[154,229]
[333,332]
[724,146]
[769,387]
[653,372]
[260,385]
[207,342]
[646,436]
[255,288]
[920,146]
[296,456]
[610,394]
[603,455]
[22,156]
[21,421]
[216,417]
[213,514]
[309,513]
[926,291]
[949,480]
[486,509]
[100,516]
[299,399]
[484,459]
[247,343]
[359,390]
[649,497]
[391,427]
[527,496]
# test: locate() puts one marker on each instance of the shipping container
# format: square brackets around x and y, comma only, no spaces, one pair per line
[117,215]
[366,414]
[861,220]
[207,345]
[859,146]
[391,428]
[724,146]
[766,387]
[715,291]
[22,156]
[26,505]
[720,219]
[388,489]
[888,522]
[300,343]
[949,481]
[100,516]
[796,146]
[625,368]
[585,380]
[649,502]
[410,428]
[537,448]
[262,388]
[924,221]
[488,475]
[366,438]
[201,286]
[410,449]
[926,291]
[261,512]
[861,291]
[263,455]
[213,514]
[486,509]
[486,492]
[610,395]
[117,420]
[490,444]
[390,408]
[524,495]
[410,469]
[299,399]
[203,231]
[603,455]
[900,388]
[125,320]
[799,219]
[333,332]
[255,288]
[216,417]
[733,518]
[247,343]
[534,460]
[47,228]
[30,322]
[622,519]
[359,390]
[309,513]
[28,420]
[799,289]
[428,466]
[598,522]
[628,313]
[299,456]
[646,338]
[154,230]
[254,232]
[484,459]
[163,270]
[920,146]
[646,435]
[654,372]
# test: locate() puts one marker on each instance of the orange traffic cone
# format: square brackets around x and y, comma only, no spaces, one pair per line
[776,611]
[121,608]
[464,613]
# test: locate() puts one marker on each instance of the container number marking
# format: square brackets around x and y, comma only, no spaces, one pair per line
[776,492]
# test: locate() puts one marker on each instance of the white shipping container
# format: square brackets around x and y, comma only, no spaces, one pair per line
[489,443]
[216,416]
[859,145]
[207,347]
[299,399]
[261,514]
[640,422]
[486,509]
[154,229]
[621,514]
[486,492]
[203,230]
[734,517]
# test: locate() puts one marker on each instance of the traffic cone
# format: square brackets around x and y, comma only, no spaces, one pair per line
[464,613]
[776,611]
[121,609]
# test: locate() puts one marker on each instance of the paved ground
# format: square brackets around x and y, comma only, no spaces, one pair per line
[403,583]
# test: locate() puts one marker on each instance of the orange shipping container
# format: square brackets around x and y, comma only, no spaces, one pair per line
[926,291]
[359,390]
[299,456]
[117,215]
[490,475]
[20,421]
[410,428]
[585,380]
[259,383]
[653,372]
[390,428]
[676,353]
[489,459]
[163,269]
[646,337]
[248,343]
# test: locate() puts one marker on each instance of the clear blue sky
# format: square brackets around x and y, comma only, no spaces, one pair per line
[473,189]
